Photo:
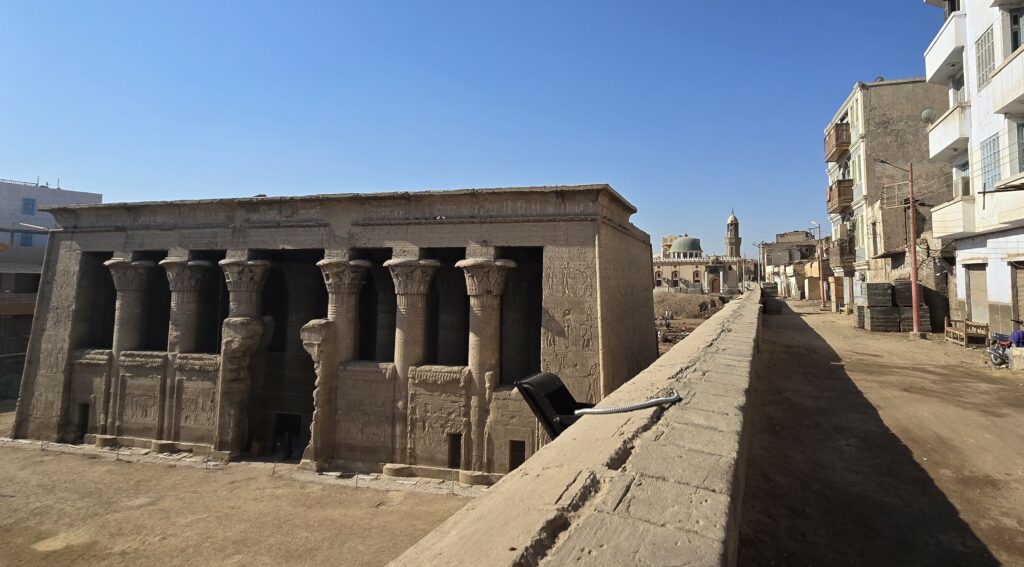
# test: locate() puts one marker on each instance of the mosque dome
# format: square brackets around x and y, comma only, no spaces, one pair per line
[686,244]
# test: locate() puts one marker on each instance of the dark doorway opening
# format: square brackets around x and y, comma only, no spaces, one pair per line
[283,376]
[213,302]
[455,450]
[447,338]
[288,438]
[516,454]
[94,319]
[521,312]
[156,305]
[82,423]
[376,308]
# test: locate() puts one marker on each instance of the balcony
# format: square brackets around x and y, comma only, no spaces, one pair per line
[944,58]
[950,134]
[841,255]
[837,141]
[954,219]
[1007,85]
[839,196]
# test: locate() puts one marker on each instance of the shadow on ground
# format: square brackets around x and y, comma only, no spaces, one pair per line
[827,482]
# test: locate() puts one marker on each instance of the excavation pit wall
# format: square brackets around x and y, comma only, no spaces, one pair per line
[660,486]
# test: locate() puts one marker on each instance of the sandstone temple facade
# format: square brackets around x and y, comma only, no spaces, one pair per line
[361,329]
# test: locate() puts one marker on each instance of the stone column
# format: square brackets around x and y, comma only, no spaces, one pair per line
[245,285]
[485,282]
[130,281]
[186,278]
[241,335]
[330,342]
[412,282]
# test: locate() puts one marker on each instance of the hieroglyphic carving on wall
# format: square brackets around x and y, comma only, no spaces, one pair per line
[439,405]
[143,359]
[38,412]
[365,397]
[509,419]
[569,326]
[198,405]
[457,376]
[197,362]
[91,357]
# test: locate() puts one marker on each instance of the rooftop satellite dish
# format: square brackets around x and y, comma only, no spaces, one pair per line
[928,115]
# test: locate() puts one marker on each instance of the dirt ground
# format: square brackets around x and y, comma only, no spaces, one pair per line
[875,449]
[64,509]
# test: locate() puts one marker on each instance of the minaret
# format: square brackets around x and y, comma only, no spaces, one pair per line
[732,236]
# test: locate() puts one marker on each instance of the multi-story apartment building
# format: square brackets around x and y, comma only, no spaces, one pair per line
[23,230]
[879,121]
[978,55]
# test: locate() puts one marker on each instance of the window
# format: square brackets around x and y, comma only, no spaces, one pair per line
[1020,147]
[990,163]
[874,238]
[25,239]
[28,206]
[1016,33]
[950,7]
[844,170]
[984,51]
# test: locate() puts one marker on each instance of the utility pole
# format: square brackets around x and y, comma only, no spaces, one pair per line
[912,245]
[819,249]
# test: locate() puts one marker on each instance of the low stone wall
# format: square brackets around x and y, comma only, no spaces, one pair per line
[651,487]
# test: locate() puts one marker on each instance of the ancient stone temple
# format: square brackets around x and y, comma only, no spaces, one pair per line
[357,330]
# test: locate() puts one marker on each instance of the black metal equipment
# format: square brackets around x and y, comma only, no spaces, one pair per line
[550,401]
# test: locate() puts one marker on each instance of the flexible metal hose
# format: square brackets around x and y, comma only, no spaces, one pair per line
[669,399]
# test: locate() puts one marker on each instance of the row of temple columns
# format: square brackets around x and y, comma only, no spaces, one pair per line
[485,279]
[332,340]
[244,279]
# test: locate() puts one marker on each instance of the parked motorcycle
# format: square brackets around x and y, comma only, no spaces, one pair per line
[999,347]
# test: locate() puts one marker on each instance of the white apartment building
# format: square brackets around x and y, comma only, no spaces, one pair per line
[978,54]
[877,121]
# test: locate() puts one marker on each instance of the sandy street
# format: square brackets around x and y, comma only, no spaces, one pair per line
[874,449]
[63,509]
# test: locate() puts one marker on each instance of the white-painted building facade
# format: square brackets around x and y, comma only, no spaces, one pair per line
[978,53]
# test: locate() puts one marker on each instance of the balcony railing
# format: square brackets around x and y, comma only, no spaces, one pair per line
[1008,85]
[839,196]
[944,58]
[837,141]
[950,133]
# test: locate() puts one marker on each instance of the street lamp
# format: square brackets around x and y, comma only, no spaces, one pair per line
[912,245]
[821,270]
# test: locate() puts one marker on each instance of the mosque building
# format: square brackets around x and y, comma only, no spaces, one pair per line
[683,267]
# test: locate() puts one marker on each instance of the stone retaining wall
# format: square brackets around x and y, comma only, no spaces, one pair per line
[651,487]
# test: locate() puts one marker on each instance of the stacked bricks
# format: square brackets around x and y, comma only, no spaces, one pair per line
[904,299]
[859,321]
[879,314]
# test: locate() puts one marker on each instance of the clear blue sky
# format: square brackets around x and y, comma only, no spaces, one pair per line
[686,107]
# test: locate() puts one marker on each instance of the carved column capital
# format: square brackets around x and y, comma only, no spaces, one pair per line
[244,275]
[485,276]
[244,280]
[129,275]
[343,276]
[412,276]
[185,275]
